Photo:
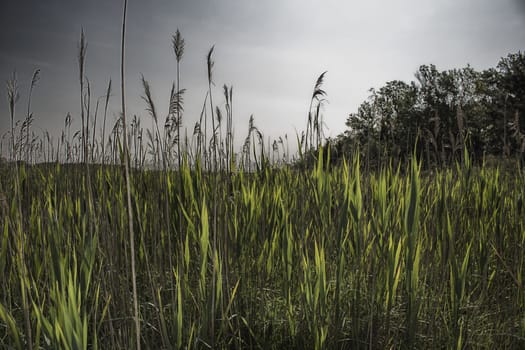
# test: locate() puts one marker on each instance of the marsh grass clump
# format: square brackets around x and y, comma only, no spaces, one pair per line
[331,258]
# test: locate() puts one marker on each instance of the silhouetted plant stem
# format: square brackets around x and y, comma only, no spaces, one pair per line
[108,93]
[128,181]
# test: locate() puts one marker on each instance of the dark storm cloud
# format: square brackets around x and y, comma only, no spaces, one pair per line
[44,35]
[27,30]
[520,6]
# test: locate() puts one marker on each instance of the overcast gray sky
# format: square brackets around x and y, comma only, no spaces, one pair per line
[270,51]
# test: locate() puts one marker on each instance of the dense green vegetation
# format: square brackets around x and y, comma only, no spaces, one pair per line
[443,112]
[274,259]
[398,234]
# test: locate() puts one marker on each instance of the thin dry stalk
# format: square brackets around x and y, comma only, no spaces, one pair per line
[128,182]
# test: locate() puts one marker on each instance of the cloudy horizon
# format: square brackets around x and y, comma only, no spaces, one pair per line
[270,52]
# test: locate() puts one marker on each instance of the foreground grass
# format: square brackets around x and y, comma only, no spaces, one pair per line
[320,258]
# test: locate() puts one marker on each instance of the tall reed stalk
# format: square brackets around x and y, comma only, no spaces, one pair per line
[128,181]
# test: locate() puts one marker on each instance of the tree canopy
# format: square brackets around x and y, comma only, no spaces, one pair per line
[439,114]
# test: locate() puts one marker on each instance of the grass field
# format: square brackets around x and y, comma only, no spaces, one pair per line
[280,258]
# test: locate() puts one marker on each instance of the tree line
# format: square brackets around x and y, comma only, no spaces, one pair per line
[439,115]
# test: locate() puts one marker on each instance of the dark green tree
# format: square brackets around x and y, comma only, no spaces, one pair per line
[439,114]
